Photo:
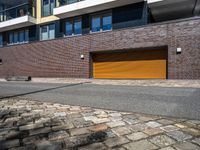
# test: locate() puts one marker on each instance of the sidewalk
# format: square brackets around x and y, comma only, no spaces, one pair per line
[31,125]
[160,83]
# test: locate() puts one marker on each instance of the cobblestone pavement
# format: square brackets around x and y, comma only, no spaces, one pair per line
[34,125]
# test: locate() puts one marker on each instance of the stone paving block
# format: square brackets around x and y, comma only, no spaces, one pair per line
[31,139]
[40,131]
[169,128]
[191,131]
[153,124]
[119,131]
[78,131]
[167,148]
[153,131]
[99,127]
[30,126]
[180,125]
[112,142]
[10,144]
[197,141]
[100,120]
[110,134]
[95,146]
[131,121]
[65,126]
[194,122]
[162,140]
[116,124]
[46,145]
[12,134]
[60,114]
[140,145]
[146,118]
[80,122]
[179,135]
[90,118]
[58,135]
[115,114]
[137,136]
[165,122]
[186,146]
[138,127]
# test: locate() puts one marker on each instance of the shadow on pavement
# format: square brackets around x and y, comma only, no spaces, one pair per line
[39,91]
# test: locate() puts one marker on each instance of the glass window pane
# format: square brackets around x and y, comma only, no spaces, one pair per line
[44,33]
[52,31]
[16,37]
[21,36]
[96,24]
[26,35]
[107,22]
[10,37]
[52,6]
[78,26]
[46,8]
[1,41]
[69,28]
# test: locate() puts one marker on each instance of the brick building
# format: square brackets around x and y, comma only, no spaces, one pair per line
[118,39]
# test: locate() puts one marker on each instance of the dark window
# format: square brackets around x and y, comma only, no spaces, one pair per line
[1,61]
[73,26]
[69,27]
[47,7]
[47,32]
[96,24]
[17,37]
[101,22]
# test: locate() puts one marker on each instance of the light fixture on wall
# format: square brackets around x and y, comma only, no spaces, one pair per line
[82,56]
[178,50]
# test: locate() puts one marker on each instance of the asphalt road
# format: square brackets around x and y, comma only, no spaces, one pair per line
[175,102]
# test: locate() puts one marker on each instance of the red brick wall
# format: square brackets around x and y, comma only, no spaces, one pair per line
[61,57]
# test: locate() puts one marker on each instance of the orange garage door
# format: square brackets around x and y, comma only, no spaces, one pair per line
[141,64]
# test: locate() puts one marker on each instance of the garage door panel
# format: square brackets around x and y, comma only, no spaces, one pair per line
[141,65]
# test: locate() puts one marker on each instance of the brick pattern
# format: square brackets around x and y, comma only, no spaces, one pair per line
[61,57]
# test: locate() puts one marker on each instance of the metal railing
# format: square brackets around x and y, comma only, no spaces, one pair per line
[67,2]
[17,11]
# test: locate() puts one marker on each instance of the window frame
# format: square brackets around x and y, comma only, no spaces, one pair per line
[17,32]
[73,20]
[48,31]
[49,8]
[101,15]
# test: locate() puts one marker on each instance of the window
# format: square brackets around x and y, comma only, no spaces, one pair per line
[96,24]
[73,27]
[1,40]
[47,32]
[47,7]
[17,37]
[102,22]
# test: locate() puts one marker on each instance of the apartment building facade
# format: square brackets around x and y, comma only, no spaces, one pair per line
[114,39]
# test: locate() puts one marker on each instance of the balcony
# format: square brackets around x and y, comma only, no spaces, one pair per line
[162,10]
[69,8]
[17,17]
